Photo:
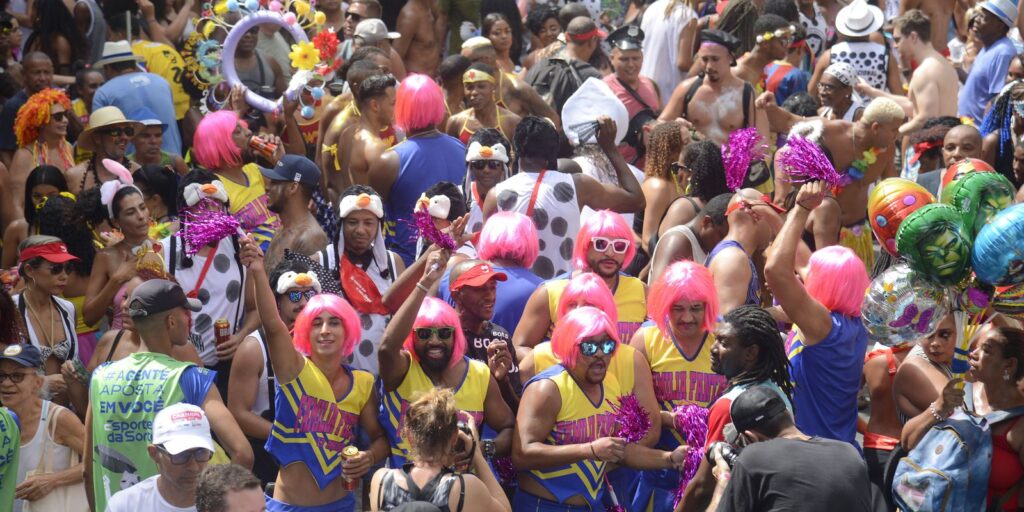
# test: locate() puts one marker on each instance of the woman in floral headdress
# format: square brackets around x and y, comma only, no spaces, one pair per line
[41,129]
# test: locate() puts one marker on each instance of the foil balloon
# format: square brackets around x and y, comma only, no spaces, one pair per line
[962,168]
[973,297]
[889,203]
[998,255]
[935,243]
[979,196]
[901,305]
[1009,300]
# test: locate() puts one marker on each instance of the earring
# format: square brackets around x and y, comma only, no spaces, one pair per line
[1006,374]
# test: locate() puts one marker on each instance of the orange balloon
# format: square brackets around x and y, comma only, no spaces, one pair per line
[889,203]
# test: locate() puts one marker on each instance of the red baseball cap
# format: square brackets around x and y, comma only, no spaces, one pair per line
[54,252]
[478,275]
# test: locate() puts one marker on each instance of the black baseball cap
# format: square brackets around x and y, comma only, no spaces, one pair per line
[294,168]
[156,296]
[628,37]
[25,355]
[754,407]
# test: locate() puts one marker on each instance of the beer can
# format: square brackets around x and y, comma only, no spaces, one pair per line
[221,330]
[350,452]
[263,147]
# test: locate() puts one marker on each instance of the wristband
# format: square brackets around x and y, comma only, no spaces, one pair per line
[594,452]
[424,288]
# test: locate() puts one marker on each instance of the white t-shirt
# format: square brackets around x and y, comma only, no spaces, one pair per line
[143,496]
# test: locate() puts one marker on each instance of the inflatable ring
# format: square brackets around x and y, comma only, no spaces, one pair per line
[231,44]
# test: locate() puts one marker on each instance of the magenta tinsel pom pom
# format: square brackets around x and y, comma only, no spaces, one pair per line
[423,225]
[632,418]
[507,474]
[743,148]
[201,227]
[615,508]
[804,161]
[691,421]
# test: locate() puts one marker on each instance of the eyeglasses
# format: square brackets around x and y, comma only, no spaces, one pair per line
[58,268]
[16,378]
[590,348]
[199,454]
[117,132]
[443,333]
[478,165]
[58,117]
[297,296]
[675,167]
[356,17]
[618,245]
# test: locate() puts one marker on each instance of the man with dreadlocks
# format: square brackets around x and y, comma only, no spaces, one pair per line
[1003,128]
[748,351]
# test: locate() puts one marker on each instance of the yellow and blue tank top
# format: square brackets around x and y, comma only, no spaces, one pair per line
[311,426]
[679,380]
[621,364]
[630,300]
[579,421]
[470,396]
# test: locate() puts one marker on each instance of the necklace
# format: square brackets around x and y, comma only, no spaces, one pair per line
[859,167]
[35,317]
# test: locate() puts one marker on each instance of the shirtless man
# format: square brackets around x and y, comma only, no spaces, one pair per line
[709,101]
[937,14]
[934,80]
[863,150]
[513,94]
[774,35]
[290,185]
[418,47]
[376,103]
[480,84]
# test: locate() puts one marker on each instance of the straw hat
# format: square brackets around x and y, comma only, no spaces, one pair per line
[859,19]
[116,51]
[100,118]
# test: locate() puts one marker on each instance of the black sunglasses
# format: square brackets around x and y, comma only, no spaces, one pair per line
[59,268]
[478,165]
[443,333]
[297,296]
[199,454]
[59,116]
[356,17]
[117,132]
[590,348]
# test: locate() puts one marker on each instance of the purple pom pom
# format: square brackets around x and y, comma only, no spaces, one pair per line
[744,147]
[202,226]
[632,418]
[691,421]
[615,508]
[507,473]
[423,226]
[804,161]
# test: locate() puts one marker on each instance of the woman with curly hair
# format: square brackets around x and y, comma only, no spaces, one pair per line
[43,183]
[662,185]
[41,129]
[702,176]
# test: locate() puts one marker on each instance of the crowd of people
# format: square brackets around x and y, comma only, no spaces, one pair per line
[526,255]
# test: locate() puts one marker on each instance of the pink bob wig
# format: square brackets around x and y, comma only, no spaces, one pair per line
[577,325]
[836,278]
[683,280]
[213,146]
[509,236]
[419,103]
[336,307]
[604,223]
[589,289]
[437,313]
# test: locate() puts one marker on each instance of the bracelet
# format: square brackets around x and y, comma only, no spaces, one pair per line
[594,453]
[801,205]
[935,413]
[424,288]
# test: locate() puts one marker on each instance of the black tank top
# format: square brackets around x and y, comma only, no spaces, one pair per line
[390,495]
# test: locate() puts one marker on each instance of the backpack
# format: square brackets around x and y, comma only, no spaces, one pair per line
[948,469]
[555,80]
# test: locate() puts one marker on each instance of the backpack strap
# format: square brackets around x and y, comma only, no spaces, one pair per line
[462,493]
[691,92]
[748,96]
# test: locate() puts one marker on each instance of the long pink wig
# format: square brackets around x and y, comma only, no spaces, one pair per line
[437,313]
[591,290]
[604,223]
[212,144]
[836,278]
[419,103]
[577,325]
[338,308]
[683,280]
[509,236]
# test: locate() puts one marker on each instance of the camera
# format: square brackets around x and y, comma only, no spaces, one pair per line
[729,453]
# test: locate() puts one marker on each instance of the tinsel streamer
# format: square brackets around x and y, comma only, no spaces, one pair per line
[691,421]
[615,506]
[632,418]
[424,227]
[204,227]
[743,148]
[804,161]
[507,473]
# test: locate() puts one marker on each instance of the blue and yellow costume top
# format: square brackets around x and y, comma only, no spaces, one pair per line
[630,301]
[620,365]
[579,421]
[678,380]
[311,426]
[470,396]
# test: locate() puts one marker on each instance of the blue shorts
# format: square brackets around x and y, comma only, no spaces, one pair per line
[526,502]
[346,504]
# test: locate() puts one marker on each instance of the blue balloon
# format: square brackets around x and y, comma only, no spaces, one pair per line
[232,5]
[252,5]
[998,255]
[307,112]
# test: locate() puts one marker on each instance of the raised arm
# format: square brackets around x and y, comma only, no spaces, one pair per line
[809,315]
[779,120]
[627,196]
[107,276]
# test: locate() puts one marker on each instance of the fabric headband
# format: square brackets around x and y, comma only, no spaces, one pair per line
[778,34]
[584,36]
[475,75]
[709,44]
[64,194]
[195,192]
[296,280]
[363,201]
[437,206]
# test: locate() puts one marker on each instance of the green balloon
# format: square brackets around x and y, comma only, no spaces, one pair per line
[979,196]
[936,243]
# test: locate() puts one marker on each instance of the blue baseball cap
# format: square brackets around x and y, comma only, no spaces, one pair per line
[296,168]
[25,355]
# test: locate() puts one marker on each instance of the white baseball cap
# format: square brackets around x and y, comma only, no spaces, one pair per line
[181,427]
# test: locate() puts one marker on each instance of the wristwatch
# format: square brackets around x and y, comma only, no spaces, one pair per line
[487,447]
